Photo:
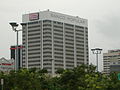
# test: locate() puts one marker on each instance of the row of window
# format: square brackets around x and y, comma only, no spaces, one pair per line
[35,30]
[35,26]
[67,28]
[29,65]
[33,61]
[56,22]
[33,57]
[68,58]
[56,26]
[38,41]
[35,22]
[33,34]
[50,33]
[35,49]
[55,29]
[58,30]
[69,25]
[50,25]
[33,53]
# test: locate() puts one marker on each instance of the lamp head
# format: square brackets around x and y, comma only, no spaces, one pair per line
[92,49]
[23,24]
[14,25]
[98,49]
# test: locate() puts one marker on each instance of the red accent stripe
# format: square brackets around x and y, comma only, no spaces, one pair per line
[7,64]
[13,48]
[16,48]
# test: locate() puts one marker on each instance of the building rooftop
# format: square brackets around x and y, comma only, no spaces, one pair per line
[55,16]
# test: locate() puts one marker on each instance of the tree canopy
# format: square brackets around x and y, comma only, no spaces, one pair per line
[83,77]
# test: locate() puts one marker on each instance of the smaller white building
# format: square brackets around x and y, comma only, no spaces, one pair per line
[6,65]
[111,61]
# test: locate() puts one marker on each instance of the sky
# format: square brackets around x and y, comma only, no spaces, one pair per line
[103,21]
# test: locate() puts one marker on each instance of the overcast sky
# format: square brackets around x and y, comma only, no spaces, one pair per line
[103,19]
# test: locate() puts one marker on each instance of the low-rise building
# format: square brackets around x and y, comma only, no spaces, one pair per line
[115,64]
[111,61]
[6,65]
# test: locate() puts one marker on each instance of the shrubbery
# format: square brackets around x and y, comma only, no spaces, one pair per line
[80,78]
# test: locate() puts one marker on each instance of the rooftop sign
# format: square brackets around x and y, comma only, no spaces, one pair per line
[33,16]
[68,18]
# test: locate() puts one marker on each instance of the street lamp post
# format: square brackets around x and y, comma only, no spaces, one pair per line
[14,27]
[2,82]
[96,51]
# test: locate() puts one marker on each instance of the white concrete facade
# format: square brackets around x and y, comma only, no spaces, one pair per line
[54,40]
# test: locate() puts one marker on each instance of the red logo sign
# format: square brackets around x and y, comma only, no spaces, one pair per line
[33,16]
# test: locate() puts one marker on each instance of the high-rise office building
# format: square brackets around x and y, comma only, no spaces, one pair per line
[111,61]
[53,40]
